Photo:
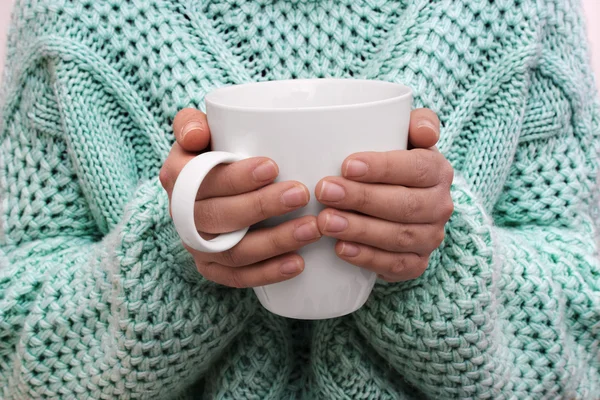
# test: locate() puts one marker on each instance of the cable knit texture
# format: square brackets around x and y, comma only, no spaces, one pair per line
[99,300]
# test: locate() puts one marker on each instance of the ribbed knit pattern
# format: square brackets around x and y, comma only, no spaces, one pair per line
[99,300]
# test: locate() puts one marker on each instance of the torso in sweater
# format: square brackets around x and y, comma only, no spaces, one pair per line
[99,298]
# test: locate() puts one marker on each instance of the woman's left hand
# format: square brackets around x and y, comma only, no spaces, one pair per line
[403,202]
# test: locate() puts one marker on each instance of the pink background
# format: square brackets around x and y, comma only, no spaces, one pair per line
[592,11]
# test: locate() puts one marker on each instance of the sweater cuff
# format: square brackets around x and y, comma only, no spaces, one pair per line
[453,299]
[147,231]
[468,240]
[469,237]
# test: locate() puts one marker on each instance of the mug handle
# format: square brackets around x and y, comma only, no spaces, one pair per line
[183,199]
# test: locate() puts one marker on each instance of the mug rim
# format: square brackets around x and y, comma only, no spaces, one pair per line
[406,93]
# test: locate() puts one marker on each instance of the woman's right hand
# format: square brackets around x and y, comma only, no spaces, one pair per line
[237,195]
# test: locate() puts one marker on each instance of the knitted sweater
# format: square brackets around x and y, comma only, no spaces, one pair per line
[99,300]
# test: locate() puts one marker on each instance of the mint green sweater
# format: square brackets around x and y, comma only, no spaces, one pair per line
[99,300]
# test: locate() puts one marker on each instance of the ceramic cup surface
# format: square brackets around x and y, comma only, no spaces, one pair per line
[308,127]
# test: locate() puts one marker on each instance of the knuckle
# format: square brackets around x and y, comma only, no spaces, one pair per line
[261,205]
[411,206]
[439,237]
[229,180]
[447,172]
[231,257]
[421,167]
[200,267]
[276,242]
[235,280]
[207,216]
[364,199]
[446,210]
[399,266]
[389,170]
[403,238]
[361,232]
[207,270]
[407,268]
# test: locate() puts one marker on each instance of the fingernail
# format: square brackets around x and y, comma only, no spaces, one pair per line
[349,249]
[335,223]
[306,232]
[290,267]
[332,192]
[294,197]
[356,168]
[428,125]
[265,171]
[190,127]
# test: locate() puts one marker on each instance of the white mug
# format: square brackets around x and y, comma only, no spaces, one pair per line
[308,127]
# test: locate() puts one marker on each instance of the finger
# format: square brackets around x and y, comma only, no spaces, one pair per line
[238,177]
[191,130]
[395,267]
[392,203]
[227,214]
[266,243]
[399,238]
[424,128]
[173,165]
[267,272]
[412,168]
[223,180]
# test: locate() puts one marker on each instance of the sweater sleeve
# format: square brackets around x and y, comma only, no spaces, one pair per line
[510,305]
[98,298]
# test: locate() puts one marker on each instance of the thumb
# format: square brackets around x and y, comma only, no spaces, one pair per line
[191,130]
[424,128]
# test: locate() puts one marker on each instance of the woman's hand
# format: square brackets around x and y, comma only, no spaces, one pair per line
[403,198]
[237,195]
